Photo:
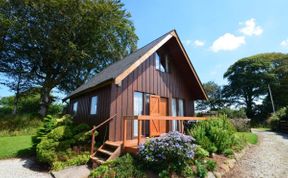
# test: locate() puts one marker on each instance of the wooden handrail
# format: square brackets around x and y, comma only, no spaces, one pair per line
[93,132]
[141,118]
[167,118]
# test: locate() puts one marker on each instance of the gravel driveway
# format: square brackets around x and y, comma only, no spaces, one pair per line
[21,168]
[268,159]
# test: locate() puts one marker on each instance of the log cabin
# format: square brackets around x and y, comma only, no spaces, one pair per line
[149,92]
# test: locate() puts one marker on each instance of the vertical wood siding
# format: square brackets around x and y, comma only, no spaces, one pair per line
[148,80]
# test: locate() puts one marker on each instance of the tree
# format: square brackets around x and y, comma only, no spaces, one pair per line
[215,100]
[64,42]
[248,79]
[17,81]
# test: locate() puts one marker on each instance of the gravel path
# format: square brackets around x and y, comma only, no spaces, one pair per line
[268,159]
[21,168]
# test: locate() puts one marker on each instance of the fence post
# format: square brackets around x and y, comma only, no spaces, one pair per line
[124,131]
[92,141]
[139,130]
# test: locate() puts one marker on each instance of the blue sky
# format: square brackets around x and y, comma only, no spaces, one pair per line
[214,33]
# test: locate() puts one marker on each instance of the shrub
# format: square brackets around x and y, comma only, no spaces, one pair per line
[233,114]
[210,165]
[171,151]
[201,170]
[228,152]
[241,125]
[215,134]
[53,142]
[201,153]
[122,167]
[281,114]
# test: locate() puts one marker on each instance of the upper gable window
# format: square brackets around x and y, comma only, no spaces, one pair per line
[162,62]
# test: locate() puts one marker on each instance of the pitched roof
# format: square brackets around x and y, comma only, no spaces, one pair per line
[119,70]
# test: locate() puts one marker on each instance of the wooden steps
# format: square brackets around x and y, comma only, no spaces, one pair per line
[108,151]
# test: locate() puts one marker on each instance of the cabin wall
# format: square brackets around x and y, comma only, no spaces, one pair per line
[148,80]
[84,105]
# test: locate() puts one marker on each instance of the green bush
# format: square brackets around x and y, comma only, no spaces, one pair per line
[122,167]
[228,152]
[201,153]
[241,125]
[215,134]
[281,114]
[233,114]
[210,165]
[54,140]
[201,170]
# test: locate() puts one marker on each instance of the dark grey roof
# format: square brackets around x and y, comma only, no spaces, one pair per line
[115,69]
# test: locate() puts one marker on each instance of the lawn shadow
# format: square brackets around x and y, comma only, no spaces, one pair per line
[282,134]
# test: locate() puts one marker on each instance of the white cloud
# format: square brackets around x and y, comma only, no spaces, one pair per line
[284,43]
[188,42]
[250,28]
[199,43]
[227,42]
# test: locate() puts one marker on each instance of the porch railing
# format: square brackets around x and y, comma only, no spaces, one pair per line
[95,128]
[142,118]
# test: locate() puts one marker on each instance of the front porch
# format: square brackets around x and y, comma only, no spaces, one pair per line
[131,145]
[112,149]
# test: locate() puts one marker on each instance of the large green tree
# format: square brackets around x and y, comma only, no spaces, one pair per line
[215,100]
[248,80]
[64,42]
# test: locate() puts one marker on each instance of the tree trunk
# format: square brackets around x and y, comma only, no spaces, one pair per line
[45,101]
[16,99]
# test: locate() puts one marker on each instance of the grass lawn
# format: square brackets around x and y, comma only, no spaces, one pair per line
[263,129]
[250,137]
[15,146]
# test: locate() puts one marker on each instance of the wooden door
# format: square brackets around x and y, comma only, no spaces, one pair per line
[154,111]
[163,112]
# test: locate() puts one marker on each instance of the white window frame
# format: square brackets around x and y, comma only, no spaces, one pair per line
[94,105]
[75,107]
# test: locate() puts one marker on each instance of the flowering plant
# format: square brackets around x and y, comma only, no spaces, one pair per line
[170,151]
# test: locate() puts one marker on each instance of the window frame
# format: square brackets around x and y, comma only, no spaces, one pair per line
[96,105]
[162,67]
[75,109]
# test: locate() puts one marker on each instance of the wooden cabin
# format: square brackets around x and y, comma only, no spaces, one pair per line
[149,92]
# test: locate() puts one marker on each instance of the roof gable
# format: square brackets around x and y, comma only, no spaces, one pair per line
[121,69]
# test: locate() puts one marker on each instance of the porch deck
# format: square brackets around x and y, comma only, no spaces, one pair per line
[112,149]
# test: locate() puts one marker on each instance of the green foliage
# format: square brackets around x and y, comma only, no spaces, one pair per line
[188,172]
[211,165]
[201,170]
[228,152]
[20,124]
[122,167]
[201,153]
[54,140]
[84,38]
[215,101]
[249,137]
[248,79]
[73,160]
[232,113]
[214,135]
[281,114]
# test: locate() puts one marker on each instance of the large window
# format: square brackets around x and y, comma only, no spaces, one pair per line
[93,107]
[75,107]
[174,113]
[177,110]
[138,110]
[161,62]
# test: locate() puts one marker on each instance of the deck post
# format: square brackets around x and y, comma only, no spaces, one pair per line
[139,130]
[92,141]
[124,131]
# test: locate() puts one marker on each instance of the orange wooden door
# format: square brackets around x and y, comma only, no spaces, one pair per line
[163,112]
[154,111]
